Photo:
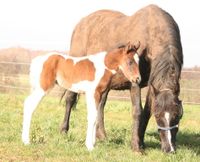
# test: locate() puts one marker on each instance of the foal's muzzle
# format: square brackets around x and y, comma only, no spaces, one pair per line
[136,80]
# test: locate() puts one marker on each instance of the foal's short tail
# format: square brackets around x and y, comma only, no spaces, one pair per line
[35,70]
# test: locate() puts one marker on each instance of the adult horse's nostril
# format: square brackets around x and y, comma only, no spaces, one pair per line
[169,150]
[172,152]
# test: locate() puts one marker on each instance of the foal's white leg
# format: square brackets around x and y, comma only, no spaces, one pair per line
[30,105]
[91,117]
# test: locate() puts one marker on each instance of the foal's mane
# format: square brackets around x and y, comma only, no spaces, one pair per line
[130,50]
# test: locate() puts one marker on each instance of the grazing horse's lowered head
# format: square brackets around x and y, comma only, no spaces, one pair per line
[168,111]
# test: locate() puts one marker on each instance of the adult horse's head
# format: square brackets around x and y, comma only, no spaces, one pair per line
[167,109]
[129,62]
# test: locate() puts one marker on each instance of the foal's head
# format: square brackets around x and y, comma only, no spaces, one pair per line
[129,62]
[167,109]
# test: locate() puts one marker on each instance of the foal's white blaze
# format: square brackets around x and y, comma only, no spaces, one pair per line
[167,117]
[136,58]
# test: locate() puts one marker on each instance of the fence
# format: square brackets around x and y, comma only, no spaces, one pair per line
[17,82]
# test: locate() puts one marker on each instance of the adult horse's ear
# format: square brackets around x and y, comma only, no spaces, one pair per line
[153,90]
[137,45]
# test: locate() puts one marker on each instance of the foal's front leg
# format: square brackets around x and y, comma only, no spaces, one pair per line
[91,118]
[100,130]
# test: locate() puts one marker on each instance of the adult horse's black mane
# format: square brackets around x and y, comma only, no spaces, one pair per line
[166,69]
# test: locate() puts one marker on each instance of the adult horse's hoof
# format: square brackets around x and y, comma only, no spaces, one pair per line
[101,135]
[63,129]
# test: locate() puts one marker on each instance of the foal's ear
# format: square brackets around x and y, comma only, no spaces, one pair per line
[136,45]
[128,47]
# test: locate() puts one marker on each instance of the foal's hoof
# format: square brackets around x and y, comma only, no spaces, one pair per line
[138,148]
[26,141]
[139,151]
[89,147]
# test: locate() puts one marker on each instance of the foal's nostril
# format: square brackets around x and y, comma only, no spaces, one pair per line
[138,80]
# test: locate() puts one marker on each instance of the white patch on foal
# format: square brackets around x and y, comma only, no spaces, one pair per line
[169,136]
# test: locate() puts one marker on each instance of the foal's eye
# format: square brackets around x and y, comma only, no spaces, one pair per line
[130,62]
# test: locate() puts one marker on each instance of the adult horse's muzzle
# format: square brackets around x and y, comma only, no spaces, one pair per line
[167,146]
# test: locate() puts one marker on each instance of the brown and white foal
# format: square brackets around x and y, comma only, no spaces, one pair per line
[90,74]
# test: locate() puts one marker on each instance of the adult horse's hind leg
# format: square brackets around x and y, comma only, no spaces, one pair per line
[137,142]
[100,131]
[70,101]
[30,105]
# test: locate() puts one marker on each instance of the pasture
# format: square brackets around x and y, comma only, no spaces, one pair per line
[47,144]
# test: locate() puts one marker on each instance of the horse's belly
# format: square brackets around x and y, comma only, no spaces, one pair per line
[81,87]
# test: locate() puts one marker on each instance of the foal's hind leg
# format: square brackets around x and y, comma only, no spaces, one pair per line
[30,105]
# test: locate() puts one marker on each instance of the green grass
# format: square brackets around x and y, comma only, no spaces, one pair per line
[47,144]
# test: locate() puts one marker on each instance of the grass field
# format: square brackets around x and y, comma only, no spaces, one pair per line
[47,144]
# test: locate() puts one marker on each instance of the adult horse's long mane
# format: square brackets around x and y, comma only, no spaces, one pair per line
[166,69]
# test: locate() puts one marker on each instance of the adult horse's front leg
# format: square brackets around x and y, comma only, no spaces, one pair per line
[137,142]
[100,129]
[70,101]
[146,114]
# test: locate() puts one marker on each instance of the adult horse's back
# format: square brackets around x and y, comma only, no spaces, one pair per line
[160,65]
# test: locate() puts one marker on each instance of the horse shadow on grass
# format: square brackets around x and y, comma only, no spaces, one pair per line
[189,140]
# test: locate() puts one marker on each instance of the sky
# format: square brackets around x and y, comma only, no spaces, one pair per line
[48,24]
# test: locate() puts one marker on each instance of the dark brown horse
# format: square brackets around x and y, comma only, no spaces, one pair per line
[161,62]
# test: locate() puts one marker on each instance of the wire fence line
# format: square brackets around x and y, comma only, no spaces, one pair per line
[10,82]
[28,63]
[15,63]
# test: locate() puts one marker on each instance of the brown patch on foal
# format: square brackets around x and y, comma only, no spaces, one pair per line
[66,70]
[102,85]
